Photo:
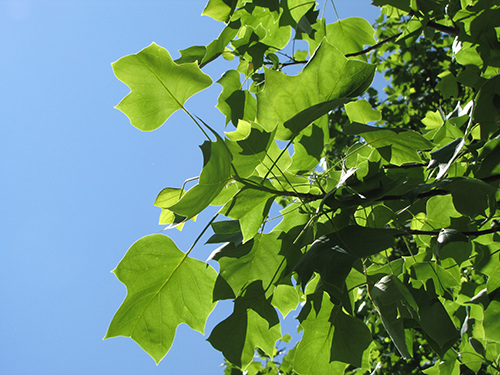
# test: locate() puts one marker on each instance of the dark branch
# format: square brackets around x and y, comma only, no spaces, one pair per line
[436,232]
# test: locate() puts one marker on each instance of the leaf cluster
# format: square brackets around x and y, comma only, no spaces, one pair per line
[386,242]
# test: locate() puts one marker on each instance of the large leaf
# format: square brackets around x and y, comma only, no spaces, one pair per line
[159,87]
[331,338]
[164,289]
[213,178]
[253,324]
[329,75]
[259,259]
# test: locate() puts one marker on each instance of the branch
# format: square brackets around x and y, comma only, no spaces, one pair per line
[436,232]
[444,29]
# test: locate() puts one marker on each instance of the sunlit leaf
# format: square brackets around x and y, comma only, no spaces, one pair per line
[329,75]
[159,87]
[164,289]
[213,178]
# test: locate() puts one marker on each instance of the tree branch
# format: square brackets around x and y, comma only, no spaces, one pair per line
[436,232]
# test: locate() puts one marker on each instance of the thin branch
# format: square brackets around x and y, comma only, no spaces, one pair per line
[435,233]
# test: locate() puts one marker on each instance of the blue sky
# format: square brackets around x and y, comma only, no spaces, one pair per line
[78,181]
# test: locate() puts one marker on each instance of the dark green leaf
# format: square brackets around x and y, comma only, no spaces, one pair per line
[253,324]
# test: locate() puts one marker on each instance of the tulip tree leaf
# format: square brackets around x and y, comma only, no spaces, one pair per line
[213,178]
[329,75]
[313,353]
[350,35]
[159,87]
[253,324]
[164,289]
[258,259]
[235,103]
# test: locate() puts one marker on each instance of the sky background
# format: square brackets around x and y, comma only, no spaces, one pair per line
[78,181]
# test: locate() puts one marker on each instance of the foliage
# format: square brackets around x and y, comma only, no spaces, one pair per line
[391,250]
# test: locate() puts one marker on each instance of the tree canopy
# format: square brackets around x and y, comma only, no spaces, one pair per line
[386,240]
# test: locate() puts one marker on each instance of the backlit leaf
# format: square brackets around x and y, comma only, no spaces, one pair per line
[253,324]
[159,87]
[329,75]
[213,178]
[164,289]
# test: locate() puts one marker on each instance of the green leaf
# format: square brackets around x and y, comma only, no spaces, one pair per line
[308,148]
[253,324]
[204,55]
[329,75]
[233,102]
[250,206]
[164,289]
[261,258]
[447,85]
[248,145]
[166,198]
[213,178]
[453,244]
[226,231]
[362,112]
[350,35]
[435,322]
[285,298]
[361,241]
[443,280]
[329,260]
[159,87]
[294,10]
[314,351]
[220,10]
[471,196]
[350,338]
[386,295]
[398,148]
[445,156]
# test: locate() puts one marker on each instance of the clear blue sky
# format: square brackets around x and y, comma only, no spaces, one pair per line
[78,181]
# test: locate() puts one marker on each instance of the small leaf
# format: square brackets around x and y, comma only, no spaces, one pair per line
[362,112]
[164,289]
[166,198]
[445,156]
[159,87]
[350,35]
[213,178]
[220,10]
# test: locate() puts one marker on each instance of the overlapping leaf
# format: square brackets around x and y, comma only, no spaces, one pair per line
[213,178]
[159,87]
[164,289]
[253,324]
[328,76]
